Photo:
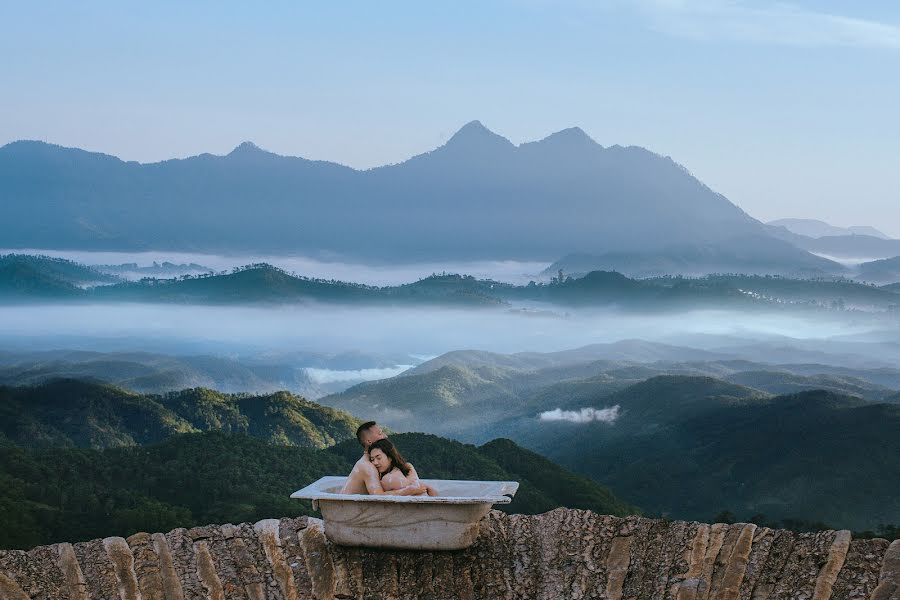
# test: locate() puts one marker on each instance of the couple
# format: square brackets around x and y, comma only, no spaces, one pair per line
[382,470]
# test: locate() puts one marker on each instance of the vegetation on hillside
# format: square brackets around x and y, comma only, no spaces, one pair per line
[88,414]
[50,495]
[25,278]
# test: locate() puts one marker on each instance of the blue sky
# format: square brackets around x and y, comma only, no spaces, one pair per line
[788,108]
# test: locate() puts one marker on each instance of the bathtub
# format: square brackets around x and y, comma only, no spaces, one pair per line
[448,521]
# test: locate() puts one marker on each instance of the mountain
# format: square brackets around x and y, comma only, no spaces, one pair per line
[23,281]
[623,351]
[884,271]
[817,229]
[25,276]
[86,414]
[444,401]
[307,374]
[781,382]
[473,395]
[476,396]
[155,373]
[749,254]
[851,246]
[59,269]
[679,445]
[194,479]
[686,446]
[559,195]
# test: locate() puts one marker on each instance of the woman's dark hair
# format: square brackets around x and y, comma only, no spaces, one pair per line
[393,455]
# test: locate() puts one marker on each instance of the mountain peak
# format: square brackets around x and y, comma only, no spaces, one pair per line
[474,133]
[572,137]
[247,148]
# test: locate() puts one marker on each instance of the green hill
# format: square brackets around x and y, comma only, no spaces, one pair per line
[252,283]
[449,399]
[780,382]
[690,447]
[86,414]
[194,479]
[20,280]
[59,269]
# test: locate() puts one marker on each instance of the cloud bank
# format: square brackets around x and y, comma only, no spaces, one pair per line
[333,376]
[585,415]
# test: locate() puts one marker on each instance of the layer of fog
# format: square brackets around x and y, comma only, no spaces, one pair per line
[585,415]
[335,376]
[330,268]
[848,262]
[256,331]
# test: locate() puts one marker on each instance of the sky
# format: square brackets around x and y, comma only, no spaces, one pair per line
[787,108]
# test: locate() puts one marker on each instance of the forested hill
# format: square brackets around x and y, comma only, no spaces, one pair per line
[86,414]
[195,479]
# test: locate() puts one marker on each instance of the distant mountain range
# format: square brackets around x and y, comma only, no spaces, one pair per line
[25,279]
[886,270]
[749,254]
[477,196]
[468,394]
[853,247]
[701,430]
[151,373]
[817,229]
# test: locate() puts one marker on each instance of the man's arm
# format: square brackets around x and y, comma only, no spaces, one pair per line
[371,479]
[363,479]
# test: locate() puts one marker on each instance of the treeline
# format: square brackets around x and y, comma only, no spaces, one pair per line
[53,495]
[887,531]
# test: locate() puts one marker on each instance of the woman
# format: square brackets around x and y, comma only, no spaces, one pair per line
[394,471]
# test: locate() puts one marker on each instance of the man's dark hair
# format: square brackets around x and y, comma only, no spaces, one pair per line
[362,429]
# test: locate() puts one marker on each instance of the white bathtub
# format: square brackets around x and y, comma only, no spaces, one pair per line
[448,521]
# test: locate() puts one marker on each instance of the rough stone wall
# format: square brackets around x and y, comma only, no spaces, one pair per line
[561,554]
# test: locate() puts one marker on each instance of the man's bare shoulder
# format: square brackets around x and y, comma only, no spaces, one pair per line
[363,464]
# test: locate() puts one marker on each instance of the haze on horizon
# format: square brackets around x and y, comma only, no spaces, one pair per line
[785,108]
[182,328]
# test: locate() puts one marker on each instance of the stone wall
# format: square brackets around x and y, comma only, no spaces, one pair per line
[561,554]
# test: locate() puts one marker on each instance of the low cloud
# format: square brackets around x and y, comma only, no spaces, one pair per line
[585,415]
[333,376]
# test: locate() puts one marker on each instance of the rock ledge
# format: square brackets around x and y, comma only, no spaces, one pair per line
[561,554]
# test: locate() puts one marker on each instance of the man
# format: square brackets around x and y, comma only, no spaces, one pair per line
[364,478]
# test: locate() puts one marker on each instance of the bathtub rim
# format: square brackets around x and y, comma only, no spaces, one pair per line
[315,492]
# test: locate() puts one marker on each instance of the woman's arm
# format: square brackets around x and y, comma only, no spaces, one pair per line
[410,491]
[413,487]
[394,484]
